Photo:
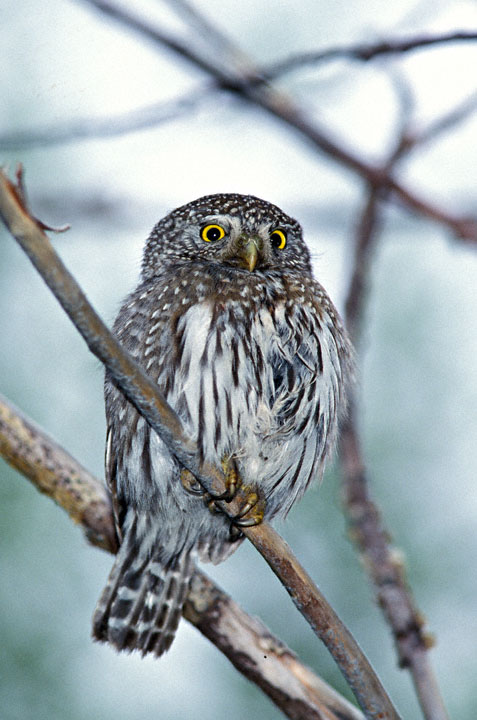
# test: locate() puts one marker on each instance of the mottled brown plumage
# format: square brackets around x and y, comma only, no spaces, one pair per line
[251,353]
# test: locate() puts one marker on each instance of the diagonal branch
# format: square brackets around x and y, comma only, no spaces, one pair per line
[442,124]
[97,127]
[365,524]
[251,85]
[365,52]
[245,641]
[146,397]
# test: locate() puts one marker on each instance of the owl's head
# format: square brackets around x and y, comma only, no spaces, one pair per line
[238,231]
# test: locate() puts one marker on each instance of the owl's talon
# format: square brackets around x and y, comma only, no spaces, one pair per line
[231,481]
[248,522]
[235,533]
[191,484]
[252,512]
[212,505]
[252,500]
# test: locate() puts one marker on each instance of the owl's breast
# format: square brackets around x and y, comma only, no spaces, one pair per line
[252,373]
[215,372]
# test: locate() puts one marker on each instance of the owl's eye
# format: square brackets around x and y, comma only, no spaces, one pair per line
[212,233]
[278,239]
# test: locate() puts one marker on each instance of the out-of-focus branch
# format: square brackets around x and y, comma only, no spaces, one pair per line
[54,472]
[448,121]
[365,52]
[90,128]
[262,658]
[365,236]
[146,397]
[251,85]
[245,641]
[386,571]
[240,76]
[367,531]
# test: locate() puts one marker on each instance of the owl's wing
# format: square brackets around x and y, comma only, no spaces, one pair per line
[297,366]
[111,466]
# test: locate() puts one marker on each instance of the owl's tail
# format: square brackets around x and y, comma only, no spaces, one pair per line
[141,605]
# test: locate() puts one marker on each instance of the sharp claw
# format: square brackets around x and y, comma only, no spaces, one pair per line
[253,504]
[252,500]
[227,496]
[248,522]
[235,533]
[197,490]
[191,484]
[214,509]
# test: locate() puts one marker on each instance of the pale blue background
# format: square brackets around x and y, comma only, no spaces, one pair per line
[59,61]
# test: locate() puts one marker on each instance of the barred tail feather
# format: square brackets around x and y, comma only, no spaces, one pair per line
[142,602]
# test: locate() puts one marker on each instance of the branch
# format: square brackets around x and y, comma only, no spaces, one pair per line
[245,641]
[367,531]
[250,84]
[87,128]
[146,397]
[365,52]
[442,124]
[54,472]
[385,569]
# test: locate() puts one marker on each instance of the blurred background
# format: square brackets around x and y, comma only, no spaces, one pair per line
[62,65]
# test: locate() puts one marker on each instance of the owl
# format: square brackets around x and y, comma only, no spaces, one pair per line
[250,352]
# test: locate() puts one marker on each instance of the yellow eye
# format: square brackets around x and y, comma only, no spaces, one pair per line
[278,239]
[211,233]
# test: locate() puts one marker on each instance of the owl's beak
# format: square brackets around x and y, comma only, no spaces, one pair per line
[249,252]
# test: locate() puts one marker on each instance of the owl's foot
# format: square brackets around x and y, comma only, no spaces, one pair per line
[232,480]
[191,484]
[253,509]
[235,533]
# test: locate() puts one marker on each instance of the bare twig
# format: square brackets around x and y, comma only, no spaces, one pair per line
[448,121]
[57,474]
[366,527]
[213,39]
[385,569]
[87,128]
[261,657]
[251,86]
[366,51]
[365,237]
[250,83]
[180,48]
[144,394]
[245,641]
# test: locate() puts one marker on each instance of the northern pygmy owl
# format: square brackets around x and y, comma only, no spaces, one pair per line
[249,350]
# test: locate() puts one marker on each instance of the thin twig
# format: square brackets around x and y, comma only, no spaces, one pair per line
[146,397]
[448,121]
[90,128]
[385,569]
[244,640]
[213,39]
[251,86]
[366,527]
[57,474]
[181,48]
[365,238]
[365,52]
